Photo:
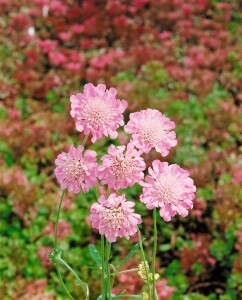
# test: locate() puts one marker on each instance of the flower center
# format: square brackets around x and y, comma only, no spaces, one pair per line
[73,169]
[151,132]
[97,112]
[114,217]
[122,167]
[168,189]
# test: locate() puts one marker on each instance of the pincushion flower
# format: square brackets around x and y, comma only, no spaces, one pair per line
[75,170]
[114,217]
[119,169]
[97,111]
[170,188]
[151,129]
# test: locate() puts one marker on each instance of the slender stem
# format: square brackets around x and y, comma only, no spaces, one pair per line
[154,252]
[56,244]
[108,250]
[57,220]
[125,271]
[103,267]
[129,296]
[82,284]
[85,140]
[62,282]
[144,260]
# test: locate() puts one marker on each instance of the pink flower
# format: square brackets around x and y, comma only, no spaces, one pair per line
[149,128]
[47,46]
[163,290]
[114,217]
[75,171]
[97,111]
[169,188]
[57,58]
[119,170]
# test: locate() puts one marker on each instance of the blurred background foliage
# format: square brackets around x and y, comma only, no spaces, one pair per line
[181,57]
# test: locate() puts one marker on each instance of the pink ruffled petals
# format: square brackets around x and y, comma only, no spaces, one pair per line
[151,129]
[119,169]
[97,111]
[114,217]
[76,169]
[170,188]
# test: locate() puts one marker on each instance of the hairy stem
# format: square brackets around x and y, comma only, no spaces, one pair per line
[56,244]
[62,282]
[154,253]
[103,266]
[108,250]
[57,220]
[144,260]
[82,284]
[85,140]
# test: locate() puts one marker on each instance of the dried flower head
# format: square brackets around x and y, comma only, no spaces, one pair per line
[97,111]
[170,188]
[119,169]
[151,129]
[114,217]
[76,171]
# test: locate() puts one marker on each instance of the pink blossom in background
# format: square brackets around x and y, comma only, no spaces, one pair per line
[43,252]
[119,169]
[170,188]
[63,231]
[76,169]
[151,129]
[57,58]
[97,111]
[163,290]
[47,45]
[114,217]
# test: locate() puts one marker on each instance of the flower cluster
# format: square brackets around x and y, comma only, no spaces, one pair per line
[97,112]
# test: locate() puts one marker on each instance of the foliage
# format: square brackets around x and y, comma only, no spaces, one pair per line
[181,57]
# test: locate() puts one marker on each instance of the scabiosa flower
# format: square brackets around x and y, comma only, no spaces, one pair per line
[170,188]
[119,169]
[97,111]
[76,171]
[114,217]
[151,129]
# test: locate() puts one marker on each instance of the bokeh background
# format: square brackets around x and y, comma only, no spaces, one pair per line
[182,57]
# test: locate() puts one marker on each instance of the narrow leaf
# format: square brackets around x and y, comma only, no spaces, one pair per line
[131,253]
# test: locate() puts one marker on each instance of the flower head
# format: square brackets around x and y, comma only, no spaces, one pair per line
[97,111]
[76,171]
[119,169]
[114,217]
[170,188]
[151,129]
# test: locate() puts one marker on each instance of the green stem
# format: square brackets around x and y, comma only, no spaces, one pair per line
[108,250]
[57,220]
[82,284]
[62,282]
[56,244]
[125,271]
[154,252]
[103,266]
[85,140]
[144,260]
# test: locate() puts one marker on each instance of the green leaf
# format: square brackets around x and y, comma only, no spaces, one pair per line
[130,254]
[95,255]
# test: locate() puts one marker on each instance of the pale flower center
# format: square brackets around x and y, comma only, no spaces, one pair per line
[122,167]
[167,189]
[114,217]
[151,132]
[97,112]
[73,169]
